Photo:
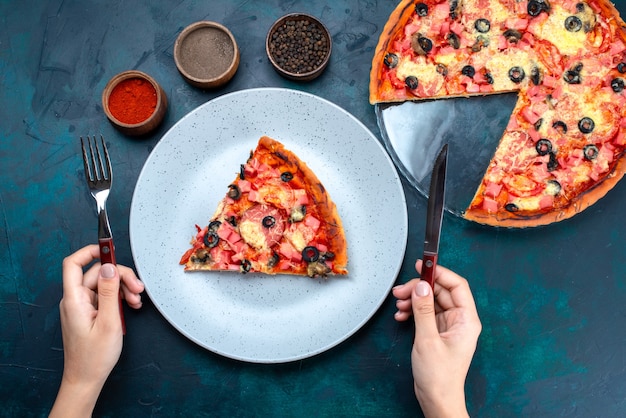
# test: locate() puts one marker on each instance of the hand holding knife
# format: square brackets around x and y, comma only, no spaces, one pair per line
[434,216]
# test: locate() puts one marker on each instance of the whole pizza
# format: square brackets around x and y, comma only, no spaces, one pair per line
[562,148]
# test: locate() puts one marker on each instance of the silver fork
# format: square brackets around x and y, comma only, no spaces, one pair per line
[99,176]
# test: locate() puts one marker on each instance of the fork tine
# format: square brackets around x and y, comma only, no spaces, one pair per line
[109,171]
[86,160]
[96,159]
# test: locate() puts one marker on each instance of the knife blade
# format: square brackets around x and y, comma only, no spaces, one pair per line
[434,216]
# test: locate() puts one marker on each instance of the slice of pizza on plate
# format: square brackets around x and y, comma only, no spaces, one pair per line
[566,59]
[276,218]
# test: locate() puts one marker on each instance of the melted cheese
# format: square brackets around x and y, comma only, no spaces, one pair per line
[424,71]
[569,42]
[500,65]
[252,234]
[299,235]
[297,239]
[528,203]
[277,194]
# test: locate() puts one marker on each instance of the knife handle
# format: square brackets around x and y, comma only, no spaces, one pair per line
[107,255]
[428,268]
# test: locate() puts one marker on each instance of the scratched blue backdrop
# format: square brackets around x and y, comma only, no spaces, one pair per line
[552,300]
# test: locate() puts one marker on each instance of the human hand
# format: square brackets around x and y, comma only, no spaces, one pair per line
[92,327]
[447,327]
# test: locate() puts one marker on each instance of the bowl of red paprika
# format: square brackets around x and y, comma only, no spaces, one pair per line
[134,102]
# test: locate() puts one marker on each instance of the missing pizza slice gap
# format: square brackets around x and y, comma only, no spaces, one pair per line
[276,218]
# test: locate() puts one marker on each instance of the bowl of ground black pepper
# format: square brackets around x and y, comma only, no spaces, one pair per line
[134,102]
[299,46]
[206,54]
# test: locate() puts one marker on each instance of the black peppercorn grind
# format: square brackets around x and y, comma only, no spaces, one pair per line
[299,46]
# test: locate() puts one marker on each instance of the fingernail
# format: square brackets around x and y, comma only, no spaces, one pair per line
[107,271]
[422,289]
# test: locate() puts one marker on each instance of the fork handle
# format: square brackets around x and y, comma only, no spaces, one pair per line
[107,250]
[107,255]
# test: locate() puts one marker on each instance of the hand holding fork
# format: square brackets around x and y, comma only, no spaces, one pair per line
[99,176]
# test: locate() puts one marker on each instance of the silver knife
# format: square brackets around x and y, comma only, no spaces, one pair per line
[434,216]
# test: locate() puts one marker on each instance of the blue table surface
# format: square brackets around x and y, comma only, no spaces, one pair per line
[552,300]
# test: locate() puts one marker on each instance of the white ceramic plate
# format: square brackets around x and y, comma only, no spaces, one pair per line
[256,318]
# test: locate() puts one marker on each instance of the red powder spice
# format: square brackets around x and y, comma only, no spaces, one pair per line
[133,100]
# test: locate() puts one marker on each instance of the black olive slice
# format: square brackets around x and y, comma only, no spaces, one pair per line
[245,266]
[555,187]
[538,124]
[268,221]
[482,25]
[425,43]
[535,7]
[617,84]
[511,207]
[234,192]
[535,76]
[621,67]
[411,82]
[572,76]
[391,60]
[573,24]
[590,152]
[560,126]
[453,40]
[421,9]
[543,146]
[442,69]
[232,220]
[211,239]
[242,172]
[214,226]
[286,176]
[517,74]
[553,163]
[310,254]
[489,78]
[580,7]
[512,35]
[421,44]
[586,125]
[468,70]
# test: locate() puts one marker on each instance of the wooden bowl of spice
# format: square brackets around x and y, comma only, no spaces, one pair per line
[206,54]
[299,46]
[134,102]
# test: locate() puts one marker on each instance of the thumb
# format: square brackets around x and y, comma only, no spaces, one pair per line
[424,311]
[108,294]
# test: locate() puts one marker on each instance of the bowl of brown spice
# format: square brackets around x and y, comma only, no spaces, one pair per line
[299,46]
[134,102]
[206,54]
